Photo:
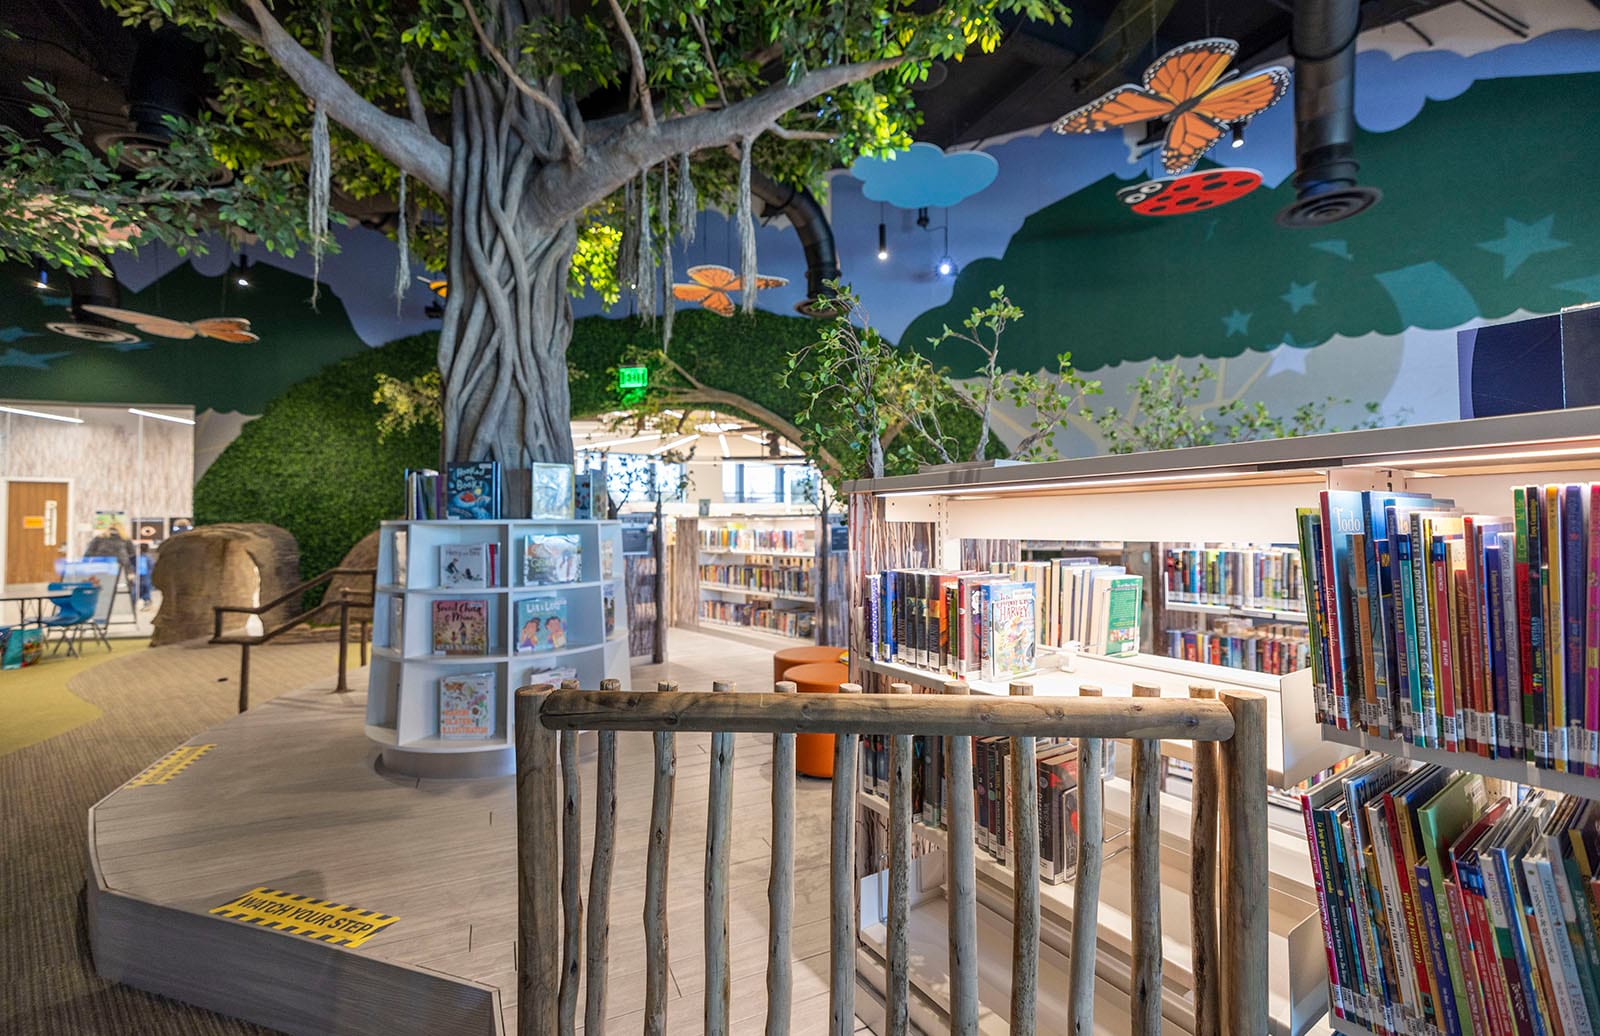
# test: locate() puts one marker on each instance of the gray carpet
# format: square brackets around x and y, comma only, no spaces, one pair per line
[151,700]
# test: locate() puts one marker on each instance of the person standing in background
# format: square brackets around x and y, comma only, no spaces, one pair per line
[144,565]
[112,544]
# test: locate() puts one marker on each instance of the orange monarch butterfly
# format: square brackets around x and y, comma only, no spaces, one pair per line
[223,329]
[1186,87]
[712,285]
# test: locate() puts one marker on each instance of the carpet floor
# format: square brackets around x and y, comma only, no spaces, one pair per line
[100,720]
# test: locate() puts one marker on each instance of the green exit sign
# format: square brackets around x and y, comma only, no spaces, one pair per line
[633,378]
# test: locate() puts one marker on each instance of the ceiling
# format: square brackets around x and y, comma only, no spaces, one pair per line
[1037,74]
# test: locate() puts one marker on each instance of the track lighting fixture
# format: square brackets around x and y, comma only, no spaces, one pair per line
[240,271]
[1238,133]
[883,243]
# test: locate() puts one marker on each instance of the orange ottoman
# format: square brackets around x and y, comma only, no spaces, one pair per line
[783,661]
[813,753]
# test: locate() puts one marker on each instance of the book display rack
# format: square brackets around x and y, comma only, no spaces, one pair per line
[759,572]
[1221,496]
[451,643]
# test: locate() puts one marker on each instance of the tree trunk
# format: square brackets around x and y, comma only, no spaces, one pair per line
[508,319]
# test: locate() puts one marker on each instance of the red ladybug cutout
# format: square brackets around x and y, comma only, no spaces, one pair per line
[1192,192]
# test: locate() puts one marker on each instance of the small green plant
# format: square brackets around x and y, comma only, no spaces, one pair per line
[1167,413]
[408,403]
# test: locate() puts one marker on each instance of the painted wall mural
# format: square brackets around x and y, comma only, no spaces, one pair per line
[1480,146]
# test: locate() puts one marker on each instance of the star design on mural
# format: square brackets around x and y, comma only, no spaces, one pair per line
[1523,241]
[36,361]
[125,347]
[1299,296]
[1288,357]
[1237,323]
[1588,287]
[1337,246]
[11,334]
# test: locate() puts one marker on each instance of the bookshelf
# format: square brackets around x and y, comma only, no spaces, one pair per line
[403,681]
[1232,494]
[759,573]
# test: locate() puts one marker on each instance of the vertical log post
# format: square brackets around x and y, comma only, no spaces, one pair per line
[244,676]
[898,996]
[780,881]
[1146,823]
[719,818]
[657,981]
[344,639]
[1086,895]
[538,912]
[961,882]
[598,961]
[571,872]
[842,884]
[1203,880]
[1024,878]
[1242,858]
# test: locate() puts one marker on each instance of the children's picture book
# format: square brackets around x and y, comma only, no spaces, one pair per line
[466,706]
[422,494]
[551,492]
[608,601]
[467,566]
[551,557]
[553,676]
[397,623]
[472,490]
[1009,628]
[541,624]
[608,558]
[400,566]
[460,627]
[1124,595]
[588,490]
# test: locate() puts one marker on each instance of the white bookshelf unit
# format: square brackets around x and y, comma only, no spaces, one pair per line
[759,573]
[1235,494]
[403,682]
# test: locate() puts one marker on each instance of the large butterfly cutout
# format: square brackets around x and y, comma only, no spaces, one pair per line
[712,284]
[1186,87]
[223,329]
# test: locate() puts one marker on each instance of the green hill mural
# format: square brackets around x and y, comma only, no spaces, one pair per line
[1478,219]
[296,342]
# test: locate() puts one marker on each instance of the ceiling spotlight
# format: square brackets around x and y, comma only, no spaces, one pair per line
[947,266]
[433,310]
[240,271]
[1238,133]
[883,243]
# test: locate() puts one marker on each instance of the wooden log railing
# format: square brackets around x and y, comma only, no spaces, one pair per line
[1229,865]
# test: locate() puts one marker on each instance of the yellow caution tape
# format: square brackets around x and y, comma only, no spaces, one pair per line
[169,766]
[317,919]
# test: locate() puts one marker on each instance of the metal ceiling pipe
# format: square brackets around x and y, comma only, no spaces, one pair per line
[811,226]
[1323,42]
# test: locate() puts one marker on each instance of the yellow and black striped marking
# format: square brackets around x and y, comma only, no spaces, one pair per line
[301,915]
[169,766]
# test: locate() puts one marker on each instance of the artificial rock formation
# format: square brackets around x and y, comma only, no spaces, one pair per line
[362,555]
[237,564]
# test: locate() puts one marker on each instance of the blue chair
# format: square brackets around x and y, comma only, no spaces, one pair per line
[72,615]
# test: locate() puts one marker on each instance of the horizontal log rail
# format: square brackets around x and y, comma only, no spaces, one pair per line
[922,715]
[1226,898]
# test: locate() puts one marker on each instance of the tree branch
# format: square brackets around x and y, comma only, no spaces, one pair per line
[798,134]
[568,190]
[402,143]
[711,60]
[533,93]
[636,59]
[700,392]
[419,114]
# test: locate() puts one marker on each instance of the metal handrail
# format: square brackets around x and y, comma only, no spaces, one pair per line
[348,598]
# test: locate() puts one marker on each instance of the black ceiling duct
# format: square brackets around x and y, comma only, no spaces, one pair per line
[1323,42]
[167,79]
[811,226]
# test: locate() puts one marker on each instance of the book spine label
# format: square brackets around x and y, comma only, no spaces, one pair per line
[1436,951]
[1321,868]
[1574,589]
[1424,638]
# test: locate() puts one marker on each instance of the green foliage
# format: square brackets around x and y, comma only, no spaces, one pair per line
[870,408]
[313,462]
[1051,401]
[1167,413]
[408,404]
[69,206]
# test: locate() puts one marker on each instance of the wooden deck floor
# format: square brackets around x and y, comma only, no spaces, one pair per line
[289,799]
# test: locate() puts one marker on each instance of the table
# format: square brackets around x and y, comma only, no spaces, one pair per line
[38,598]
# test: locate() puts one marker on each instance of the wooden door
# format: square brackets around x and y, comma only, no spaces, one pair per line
[36,530]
